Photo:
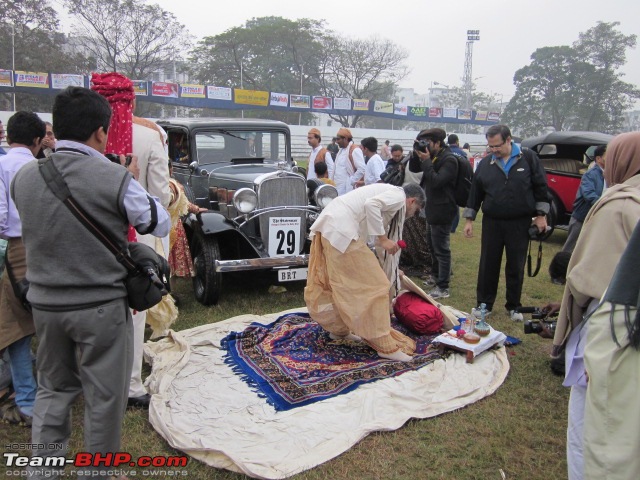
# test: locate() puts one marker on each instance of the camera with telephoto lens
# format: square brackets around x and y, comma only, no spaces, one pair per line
[420,145]
[538,317]
[116,159]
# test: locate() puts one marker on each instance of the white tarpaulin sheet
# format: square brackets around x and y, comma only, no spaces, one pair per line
[205,410]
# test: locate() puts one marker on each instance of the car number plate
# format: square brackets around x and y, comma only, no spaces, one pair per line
[292,274]
[284,236]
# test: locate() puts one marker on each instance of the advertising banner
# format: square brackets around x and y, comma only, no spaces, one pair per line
[383,107]
[164,89]
[494,117]
[480,115]
[140,87]
[300,101]
[32,79]
[360,104]
[322,103]
[464,114]
[279,99]
[190,90]
[449,112]
[418,111]
[62,80]
[341,103]
[219,93]
[435,112]
[6,78]
[400,109]
[251,97]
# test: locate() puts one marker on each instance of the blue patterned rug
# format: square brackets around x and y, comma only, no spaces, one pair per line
[293,362]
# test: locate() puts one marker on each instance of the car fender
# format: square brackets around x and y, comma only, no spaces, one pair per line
[213,223]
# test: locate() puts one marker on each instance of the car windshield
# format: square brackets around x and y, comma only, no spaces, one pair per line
[225,145]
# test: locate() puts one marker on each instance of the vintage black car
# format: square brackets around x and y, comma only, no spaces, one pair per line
[259,209]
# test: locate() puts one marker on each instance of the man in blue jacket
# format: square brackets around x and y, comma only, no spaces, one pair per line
[590,190]
[511,186]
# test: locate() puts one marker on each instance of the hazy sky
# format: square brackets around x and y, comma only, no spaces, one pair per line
[434,33]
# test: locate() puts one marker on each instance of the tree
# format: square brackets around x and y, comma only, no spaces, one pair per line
[574,87]
[39,46]
[363,69]
[267,53]
[128,36]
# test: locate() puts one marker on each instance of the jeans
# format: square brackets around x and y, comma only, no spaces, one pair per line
[24,383]
[440,242]
[456,221]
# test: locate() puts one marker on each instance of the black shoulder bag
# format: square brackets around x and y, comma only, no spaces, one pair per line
[148,273]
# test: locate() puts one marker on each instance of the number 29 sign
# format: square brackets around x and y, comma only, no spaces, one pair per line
[284,236]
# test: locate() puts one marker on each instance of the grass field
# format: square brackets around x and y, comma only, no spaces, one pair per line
[519,430]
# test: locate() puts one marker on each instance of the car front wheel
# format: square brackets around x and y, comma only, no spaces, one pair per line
[207,283]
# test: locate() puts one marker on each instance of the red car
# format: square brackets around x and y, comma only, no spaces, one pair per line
[565,157]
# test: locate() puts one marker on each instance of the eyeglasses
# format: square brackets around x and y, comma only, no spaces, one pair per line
[493,147]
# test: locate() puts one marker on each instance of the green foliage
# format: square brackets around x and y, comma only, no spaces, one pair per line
[282,55]
[39,47]
[574,87]
[128,36]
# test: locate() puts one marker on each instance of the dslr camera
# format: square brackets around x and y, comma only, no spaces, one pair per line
[539,319]
[116,159]
[420,145]
[535,234]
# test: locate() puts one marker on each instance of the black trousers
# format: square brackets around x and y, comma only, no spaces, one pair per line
[512,237]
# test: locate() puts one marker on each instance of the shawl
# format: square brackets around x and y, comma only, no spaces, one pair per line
[118,90]
[389,263]
[604,236]
[179,207]
[145,122]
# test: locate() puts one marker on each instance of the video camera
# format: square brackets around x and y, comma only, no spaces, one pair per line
[539,319]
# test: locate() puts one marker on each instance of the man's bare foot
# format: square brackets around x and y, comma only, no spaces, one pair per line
[398,355]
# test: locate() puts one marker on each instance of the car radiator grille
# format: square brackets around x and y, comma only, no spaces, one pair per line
[282,191]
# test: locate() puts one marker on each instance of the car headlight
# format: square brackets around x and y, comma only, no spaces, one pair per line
[324,194]
[245,200]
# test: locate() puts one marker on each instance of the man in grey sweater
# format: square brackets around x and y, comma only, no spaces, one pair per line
[77,286]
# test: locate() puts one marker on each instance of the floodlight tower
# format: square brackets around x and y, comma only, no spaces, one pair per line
[467,79]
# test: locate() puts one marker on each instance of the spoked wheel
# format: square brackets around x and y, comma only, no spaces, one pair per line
[207,283]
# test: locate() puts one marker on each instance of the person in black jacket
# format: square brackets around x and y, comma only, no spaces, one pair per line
[511,186]
[439,168]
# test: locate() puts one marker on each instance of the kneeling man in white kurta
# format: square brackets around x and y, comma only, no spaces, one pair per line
[349,287]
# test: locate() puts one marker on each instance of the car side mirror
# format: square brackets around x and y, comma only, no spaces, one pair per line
[192,166]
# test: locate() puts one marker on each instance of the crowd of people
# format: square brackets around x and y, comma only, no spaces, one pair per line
[394,215]
[598,328]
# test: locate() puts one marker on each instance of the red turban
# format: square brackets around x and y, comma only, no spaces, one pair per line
[118,90]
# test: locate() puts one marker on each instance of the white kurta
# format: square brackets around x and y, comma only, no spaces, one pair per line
[345,176]
[328,159]
[374,168]
[365,211]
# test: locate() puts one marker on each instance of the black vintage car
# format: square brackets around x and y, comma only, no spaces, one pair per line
[259,209]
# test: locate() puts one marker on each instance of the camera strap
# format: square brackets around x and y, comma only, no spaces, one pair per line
[60,189]
[538,262]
